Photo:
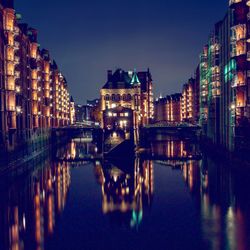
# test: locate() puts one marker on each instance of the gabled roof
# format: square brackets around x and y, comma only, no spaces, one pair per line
[124,80]
[135,79]
[119,80]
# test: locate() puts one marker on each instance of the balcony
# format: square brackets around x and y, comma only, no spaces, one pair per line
[239,32]
[238,52]
[238,85]
[239,80]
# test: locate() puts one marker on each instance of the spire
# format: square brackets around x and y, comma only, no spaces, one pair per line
[135,79]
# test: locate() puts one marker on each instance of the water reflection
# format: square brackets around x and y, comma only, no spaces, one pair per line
[127,189]
[31,205]
[223,200]
[78,150]
[174,149]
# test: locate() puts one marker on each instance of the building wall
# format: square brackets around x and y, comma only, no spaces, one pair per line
[214,85]
[129,90]
[168,109]
[2,92]
[111,98]
[190,101]
[227,68]
[224,80]
[240,51]
[160,110]
[33,93]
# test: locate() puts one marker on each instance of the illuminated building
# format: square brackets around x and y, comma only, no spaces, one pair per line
[224,85]
[240,62]
[160,108]
[183,107]
[2,83]
[90,112]
[131,90]
[210,80]
[95,110]
[168,109]
[118,118]
[72,111]
[204,88]
[190,101]
[228,67]
[32,100]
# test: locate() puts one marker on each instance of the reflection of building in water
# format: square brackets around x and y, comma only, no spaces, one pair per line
[15,242]
[125,194]
[29,207]
[223,210]
[78,149]
[171,148]
[191,174]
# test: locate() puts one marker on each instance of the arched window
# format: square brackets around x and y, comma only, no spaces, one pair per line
[124,97]
[106,97]
[118,97]
[129,97]
[113,97]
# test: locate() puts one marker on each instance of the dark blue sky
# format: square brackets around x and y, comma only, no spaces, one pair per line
[88,37]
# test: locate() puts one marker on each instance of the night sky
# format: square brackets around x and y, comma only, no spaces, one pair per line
[88,37]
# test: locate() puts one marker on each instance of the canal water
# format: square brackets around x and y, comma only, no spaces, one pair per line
[176,202]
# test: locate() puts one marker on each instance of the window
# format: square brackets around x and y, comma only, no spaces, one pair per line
[118,97]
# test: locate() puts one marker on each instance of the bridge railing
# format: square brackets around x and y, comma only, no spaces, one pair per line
[171,125]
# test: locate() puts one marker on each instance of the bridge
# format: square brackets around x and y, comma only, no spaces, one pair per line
[171,129]
[79,128]
[173,126]
[82,159]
